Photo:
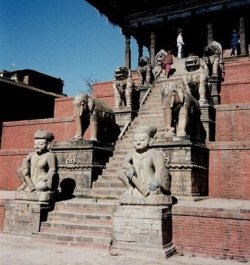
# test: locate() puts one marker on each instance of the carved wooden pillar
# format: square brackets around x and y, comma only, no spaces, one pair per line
[210,33]
[243,50]
[140,50]
[127,51]
[152,49]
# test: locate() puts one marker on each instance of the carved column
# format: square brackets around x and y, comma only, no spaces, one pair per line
[209,33]
[140,50]
[152,49]
[127,51]
[242,37]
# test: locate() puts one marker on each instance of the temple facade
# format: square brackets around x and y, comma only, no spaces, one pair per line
[155,24]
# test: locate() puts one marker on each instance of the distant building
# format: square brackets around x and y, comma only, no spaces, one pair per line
[36,79]
[28,94]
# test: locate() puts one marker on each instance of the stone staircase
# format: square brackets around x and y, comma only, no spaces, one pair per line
[82,222]
[108,184]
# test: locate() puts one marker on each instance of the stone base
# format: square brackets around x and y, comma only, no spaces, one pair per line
[187,162]
[122,116]
[127,199]
[24,217]
[208,122]
[80,163]
[45,196]
[143,229]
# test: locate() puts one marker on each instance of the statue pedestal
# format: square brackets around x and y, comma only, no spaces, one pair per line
[45,196]
[188,165]
[25,217]
[208,121]
[143,229]
[214,86]
[79,163]
[123,116]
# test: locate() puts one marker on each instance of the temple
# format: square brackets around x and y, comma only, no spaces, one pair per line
[155,161]
[154,24]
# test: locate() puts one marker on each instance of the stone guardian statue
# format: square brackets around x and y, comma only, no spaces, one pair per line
[144,172]
[39,169]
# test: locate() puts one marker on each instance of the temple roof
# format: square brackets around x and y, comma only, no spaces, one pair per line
[164,17]
[129,15]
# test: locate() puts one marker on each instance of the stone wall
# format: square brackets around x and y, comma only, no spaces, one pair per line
[1,214]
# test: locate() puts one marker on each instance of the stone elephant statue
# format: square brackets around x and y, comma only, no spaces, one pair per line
[123,86]
[95,114]
[180,110]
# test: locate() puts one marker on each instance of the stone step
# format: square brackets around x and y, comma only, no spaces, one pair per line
[73,240]
[111,171]
[108,192]
[76,218]
[59,228]
[75,228]
[106,177]
[108,184]
[85,206]
[146,112]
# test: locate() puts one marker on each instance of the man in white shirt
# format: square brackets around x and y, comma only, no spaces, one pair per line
[180,44]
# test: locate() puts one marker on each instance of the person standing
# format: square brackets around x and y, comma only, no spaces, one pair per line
[235,41]
[180,44]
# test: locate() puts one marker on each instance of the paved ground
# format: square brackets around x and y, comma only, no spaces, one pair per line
[16,250]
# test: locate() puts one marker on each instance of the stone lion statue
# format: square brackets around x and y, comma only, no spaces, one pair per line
[94,113]
[144,70]
[195,81]
[123,86]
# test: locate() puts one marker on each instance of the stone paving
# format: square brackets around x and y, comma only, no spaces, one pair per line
[16,250]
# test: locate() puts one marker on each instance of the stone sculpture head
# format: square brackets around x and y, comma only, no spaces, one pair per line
[143,61]
[192,63]
[42,141]
[121,73]
[144,137]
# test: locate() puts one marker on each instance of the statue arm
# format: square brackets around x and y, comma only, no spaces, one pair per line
[52,165]
[26,164]
[161,172]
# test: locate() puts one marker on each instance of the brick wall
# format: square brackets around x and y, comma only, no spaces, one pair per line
[19,134]
[237,68]
[221,233]
[10,160]
[104,91]
[236,85]
[229,170]
[63,107]
[235,92]
[232,122]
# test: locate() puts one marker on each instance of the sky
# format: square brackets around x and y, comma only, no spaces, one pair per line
[67,39]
